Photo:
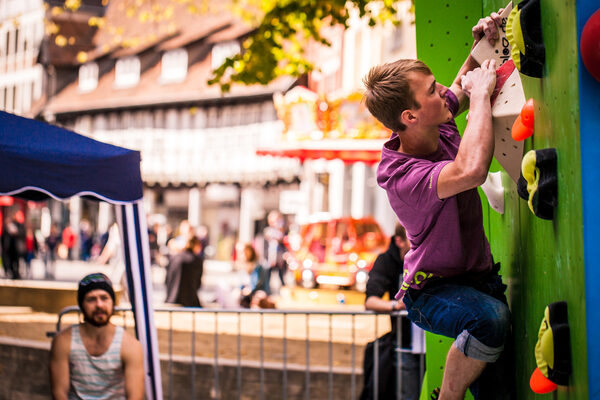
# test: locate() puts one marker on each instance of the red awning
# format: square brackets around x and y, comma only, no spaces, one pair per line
[347,150]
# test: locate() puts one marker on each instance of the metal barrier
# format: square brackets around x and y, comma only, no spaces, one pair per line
[368,320]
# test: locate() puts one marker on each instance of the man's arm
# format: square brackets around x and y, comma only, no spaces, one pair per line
[378,284]
[59,365]
[133,364]
[375,303]
[486,27]
[469,168]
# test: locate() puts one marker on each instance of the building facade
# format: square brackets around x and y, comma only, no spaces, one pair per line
[143,86]
[21,75]
[198,145]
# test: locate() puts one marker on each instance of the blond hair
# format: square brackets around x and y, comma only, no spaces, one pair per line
[388,91]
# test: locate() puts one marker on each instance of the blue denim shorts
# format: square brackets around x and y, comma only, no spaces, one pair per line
[478,318]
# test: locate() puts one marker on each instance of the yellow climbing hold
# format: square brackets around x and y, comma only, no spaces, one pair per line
[514,35]
[531,175]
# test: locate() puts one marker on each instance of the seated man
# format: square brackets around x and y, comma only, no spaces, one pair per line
[450,283]
[96,359]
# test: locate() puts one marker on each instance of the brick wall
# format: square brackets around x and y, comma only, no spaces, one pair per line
[24,376]
[24,370]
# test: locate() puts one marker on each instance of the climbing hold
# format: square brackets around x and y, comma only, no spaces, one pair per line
[589,45]
[524,33]
[503,73]
[552,350]
[500,50]
[527,114]
[523,125]
[538,182]
[494,191]
[519,131]
[540,384]
[507,102]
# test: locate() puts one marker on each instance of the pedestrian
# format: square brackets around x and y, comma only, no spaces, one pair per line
[96,359]
[202,233]
[31,249]
[86,240]
[12,248]
[184,275]
[177,244]
[385,277]
[51,247]
[68,240]
[451,285]
[112,254]
[274,248]
[253,293]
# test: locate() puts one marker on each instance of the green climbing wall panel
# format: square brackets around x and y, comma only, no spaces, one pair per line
[542,261]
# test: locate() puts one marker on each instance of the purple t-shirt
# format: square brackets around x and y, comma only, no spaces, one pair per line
[447,237]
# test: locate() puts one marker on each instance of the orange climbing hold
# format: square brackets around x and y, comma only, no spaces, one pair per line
[527,114]
[523,126]
[540,384]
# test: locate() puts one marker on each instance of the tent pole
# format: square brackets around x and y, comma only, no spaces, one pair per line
[136,251]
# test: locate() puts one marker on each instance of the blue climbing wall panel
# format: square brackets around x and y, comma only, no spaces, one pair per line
[589,121]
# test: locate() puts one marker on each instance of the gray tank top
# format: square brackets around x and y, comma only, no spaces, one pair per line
[93,377]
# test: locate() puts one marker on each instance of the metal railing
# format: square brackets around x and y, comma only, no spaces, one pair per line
[175,320]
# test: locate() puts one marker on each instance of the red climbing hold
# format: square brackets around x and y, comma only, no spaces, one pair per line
[540,384]
[589,45]
[503,72]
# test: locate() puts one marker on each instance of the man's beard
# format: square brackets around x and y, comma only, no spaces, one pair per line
[90,319]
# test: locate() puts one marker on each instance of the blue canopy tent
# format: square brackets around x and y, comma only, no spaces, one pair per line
[39,161]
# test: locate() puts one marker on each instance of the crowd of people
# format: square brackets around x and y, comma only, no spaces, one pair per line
[183,251]
[21,244]
[179,252]
[260,267]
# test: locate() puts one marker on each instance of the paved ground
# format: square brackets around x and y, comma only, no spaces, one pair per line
[218,278]
[73,271]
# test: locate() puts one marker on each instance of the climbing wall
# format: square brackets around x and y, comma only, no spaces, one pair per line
[443,42]
[542,260]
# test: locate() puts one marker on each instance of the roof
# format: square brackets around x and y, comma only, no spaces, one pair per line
[184,29]
[151,92]
[71,25]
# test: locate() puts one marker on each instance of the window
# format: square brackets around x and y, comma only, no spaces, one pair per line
[268,112]
[185,118]
[221,51]
[172,119]
[174,66]
[199,118]
[159,119]
[113,121]
[88,77]
[126,120]
[213,117]
[127,72]
[100,123]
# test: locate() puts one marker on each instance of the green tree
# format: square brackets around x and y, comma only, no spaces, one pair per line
[283,29]
[276,46]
